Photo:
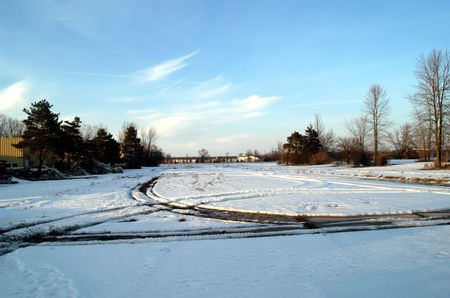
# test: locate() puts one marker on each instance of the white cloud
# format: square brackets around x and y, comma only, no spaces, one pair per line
[194,120]
[207,89]
[173,124]
[233,138]
[210,92]
[254,102]
[12,97]
[164,69]
[252,114]
[141,112]
[237,109]
[211,104]
[192,145]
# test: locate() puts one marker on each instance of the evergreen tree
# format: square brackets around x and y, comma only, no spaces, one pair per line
[312,143]
[300,148]
[42,134]
[73,143]
[293,148]
[105,148]
[132,150]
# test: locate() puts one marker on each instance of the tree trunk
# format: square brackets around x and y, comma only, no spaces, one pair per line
[41,163]
[375,141]
[438,136]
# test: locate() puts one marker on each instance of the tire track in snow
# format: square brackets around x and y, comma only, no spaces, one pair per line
[312,220]
[38,233]
[237,232]
[30,224]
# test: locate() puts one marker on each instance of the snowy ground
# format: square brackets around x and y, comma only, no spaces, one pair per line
[155,252]
[305,190]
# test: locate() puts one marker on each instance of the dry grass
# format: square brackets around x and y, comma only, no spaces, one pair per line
[427,180]
[432,167]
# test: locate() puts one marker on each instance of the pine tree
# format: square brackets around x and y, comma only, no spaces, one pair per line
[293,148]
[132,150]
[300,148]
[312,142]
[105,148]
[73,143]
[42,133]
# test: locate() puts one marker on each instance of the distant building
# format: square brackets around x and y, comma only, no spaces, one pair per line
[12,156]
[209,159]
[249,158]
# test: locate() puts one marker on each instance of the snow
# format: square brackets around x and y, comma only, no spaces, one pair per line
[395,263]
[167,254]
[306,191]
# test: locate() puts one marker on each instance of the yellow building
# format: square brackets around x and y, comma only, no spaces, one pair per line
[14,157]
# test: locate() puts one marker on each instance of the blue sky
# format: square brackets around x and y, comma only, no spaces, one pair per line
[222,75]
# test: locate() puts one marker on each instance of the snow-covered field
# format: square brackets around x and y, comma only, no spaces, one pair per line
[107,244]
[302,190]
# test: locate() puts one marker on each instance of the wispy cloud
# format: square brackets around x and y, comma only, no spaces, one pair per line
[176,123]
[164,69]
[237,109]
[13,96]
[254,102]
[141,112]
[207,89]
[233,138]
[82,116]
[125,99]
[167,88]
[196,118]
[323,103]
[71,16]
[204,92]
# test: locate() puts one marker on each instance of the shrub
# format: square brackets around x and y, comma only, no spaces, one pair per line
[320,158]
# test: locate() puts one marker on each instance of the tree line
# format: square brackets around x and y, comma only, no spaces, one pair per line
[371,137]
[70,146]
[425,138]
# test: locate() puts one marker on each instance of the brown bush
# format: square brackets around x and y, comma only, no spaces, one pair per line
[320,158]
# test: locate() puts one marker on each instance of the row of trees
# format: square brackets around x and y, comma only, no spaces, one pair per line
[369,133]
[10,127]
[48,137]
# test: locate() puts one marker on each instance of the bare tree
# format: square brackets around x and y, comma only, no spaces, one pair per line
[88,131]
[358,129]
[377,108]
[203,154]
[345,147]
[149,138]
[327,138]
[10,127]
[423,138]
[432,95]
[3,124]
[317,125]
[403,141]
